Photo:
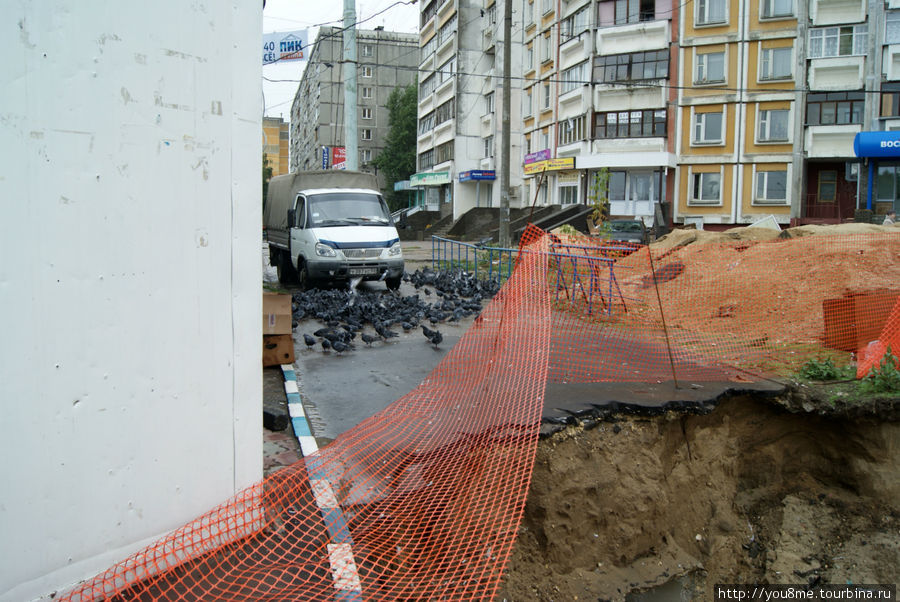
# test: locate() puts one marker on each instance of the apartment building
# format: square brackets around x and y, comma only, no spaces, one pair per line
[276,137]
[458,149]
[386,61]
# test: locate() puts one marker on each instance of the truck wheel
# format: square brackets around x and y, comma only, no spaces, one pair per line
[303,278]
[393,283]
[286,273]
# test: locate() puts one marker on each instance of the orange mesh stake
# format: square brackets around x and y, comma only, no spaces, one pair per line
[661,314]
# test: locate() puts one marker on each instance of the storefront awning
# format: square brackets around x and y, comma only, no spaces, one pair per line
[435,178]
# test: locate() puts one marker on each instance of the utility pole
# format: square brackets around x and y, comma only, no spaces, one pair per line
[351,133]
[505,125]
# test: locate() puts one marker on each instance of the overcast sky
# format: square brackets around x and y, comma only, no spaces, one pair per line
[291,15]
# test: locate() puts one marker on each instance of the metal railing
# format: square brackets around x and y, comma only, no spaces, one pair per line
[483,262]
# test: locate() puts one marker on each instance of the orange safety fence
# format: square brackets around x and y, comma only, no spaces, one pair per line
[423,500]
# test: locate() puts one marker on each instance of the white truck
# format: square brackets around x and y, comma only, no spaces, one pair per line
[331,226]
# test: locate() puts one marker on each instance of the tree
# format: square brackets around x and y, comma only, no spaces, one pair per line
[397,160]
[266,176]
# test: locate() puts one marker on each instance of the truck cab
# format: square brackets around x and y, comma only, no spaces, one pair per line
[331,234]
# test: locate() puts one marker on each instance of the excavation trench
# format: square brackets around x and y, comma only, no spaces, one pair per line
[749,492]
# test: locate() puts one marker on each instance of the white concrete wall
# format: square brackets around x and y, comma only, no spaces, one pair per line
[129,277]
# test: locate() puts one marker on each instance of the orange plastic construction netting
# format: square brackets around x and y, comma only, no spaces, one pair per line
[423,500]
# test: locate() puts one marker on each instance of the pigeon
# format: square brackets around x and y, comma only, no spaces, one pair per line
[310,341]
[433,336]
[326,345]
[339,346]
[368,339]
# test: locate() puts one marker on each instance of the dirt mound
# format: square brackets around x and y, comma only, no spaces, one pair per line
[749,493]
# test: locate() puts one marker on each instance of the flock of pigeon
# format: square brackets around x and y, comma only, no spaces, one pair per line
[347,313]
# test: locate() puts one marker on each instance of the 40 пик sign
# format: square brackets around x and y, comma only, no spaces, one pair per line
[285,46]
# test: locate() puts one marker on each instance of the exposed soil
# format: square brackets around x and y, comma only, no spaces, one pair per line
[796,489]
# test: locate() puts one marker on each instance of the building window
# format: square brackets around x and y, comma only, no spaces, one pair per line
[443,113]
[708,128]
[366,71]
[835,108]
[545,138]
[428,49]
[710,12]
[571,130]
[574,77]
[489,103]
[527,103]
[773,125]
[710,68]
[447,30]
[776,9]
[568,195]
[366,134]
[892,27]
[546,104]
[426,160]
[444,152]
[545,48]
[574,24]
[367,50]
[635,66]
[446,70]
[367,112]
[838,41]
[488,147]
[529,58]
[827,186]
[367,91]
[776,63]
[771,186]
[890,99]
[427,86]
[630,124]
[635,11]
[706,187]
[546,6]
[492,14]
[426,123]
[365,156]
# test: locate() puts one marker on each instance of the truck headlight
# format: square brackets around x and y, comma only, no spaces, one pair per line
[325,250]
[395,250]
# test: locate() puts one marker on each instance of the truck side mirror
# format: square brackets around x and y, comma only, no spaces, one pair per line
[292,217]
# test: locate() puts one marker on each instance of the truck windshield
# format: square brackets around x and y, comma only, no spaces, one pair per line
[347,209]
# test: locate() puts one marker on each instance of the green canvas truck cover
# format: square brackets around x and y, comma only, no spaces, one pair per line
[283,190]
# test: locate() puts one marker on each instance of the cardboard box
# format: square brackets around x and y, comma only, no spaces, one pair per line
[276,314]
[278,349]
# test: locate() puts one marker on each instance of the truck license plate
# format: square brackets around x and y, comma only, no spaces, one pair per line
[362,271]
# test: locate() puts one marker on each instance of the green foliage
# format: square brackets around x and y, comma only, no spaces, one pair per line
[568,229]
[885,378]
[266,176]
[824,369]
[397,160]
[598,195]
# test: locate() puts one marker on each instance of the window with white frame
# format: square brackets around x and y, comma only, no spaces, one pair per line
[366,50]
[446,70]
[634,11]
[545,48]
[427,86]
[574,77]
[491,14]
[771,186]
[426,159]
[366,112]
[426,123]
[574,24]
[527,103]
[773,125]
[488,103]
[444,152]
[776,63]
[366,134]
[892,27]
[367,91]
[710,68]
[706,187]
[546,103]
[545,139]
[546,6]
[776,9]
[446,30]
[365,155]
[572,130]
[366,71]
[488,147]
[710,12]
[529,58]
[846,40]
[708,128]
[568,195]
[428,49]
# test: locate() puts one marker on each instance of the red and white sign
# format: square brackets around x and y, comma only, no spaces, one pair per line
[338,157]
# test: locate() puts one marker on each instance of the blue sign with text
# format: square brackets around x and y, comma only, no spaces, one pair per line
[477,174]
[877,144]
